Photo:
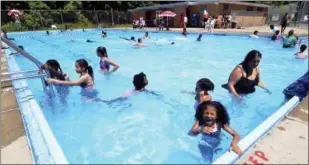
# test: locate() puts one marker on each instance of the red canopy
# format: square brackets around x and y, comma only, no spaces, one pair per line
[15,12]
[167,14]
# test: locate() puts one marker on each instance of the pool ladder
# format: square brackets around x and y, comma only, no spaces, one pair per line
[39,73]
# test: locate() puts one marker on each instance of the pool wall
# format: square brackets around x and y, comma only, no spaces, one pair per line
[42,142]
[246,143]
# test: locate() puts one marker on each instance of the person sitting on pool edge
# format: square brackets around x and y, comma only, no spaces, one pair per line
[302,54]
[246,76]
[212,117]
[139,43]
[255,34]
[146,35]
[86,79]
[199,38]
[290,40]
[55,70]
[104,34]
[105,62]
[132,39]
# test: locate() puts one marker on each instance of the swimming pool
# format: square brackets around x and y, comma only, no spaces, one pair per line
[144,128]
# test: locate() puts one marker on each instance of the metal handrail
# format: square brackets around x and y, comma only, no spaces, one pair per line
[32,59]
[26,71]
[21,78]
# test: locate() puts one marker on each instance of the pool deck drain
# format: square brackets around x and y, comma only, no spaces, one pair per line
[286,143]
[14,144]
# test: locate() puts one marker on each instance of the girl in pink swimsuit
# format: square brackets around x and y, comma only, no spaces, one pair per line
[85,80]
[104,61]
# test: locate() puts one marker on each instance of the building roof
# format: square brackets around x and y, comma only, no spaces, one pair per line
[156,7]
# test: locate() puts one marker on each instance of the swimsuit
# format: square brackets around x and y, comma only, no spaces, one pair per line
[244,85]
[87,84]
[104,65]
[289,41]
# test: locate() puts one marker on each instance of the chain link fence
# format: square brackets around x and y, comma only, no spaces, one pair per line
[38,19]
[296,14]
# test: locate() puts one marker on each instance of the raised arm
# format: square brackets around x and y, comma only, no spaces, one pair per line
[234,78]
[234,144]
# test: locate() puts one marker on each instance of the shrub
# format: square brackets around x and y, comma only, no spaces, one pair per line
[13,27]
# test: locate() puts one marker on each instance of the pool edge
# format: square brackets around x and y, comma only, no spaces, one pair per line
[42,142]
[259,132]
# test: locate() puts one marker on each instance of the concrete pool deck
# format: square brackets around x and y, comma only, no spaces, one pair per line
[249,30]
[14,143]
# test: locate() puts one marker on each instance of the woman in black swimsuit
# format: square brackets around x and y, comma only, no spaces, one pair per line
[246,76]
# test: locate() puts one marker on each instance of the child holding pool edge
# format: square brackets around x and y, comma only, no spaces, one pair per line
[302,54]
[55,70]
[211,117]
[86,76]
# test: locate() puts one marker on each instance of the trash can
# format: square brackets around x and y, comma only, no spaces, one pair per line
[233,26]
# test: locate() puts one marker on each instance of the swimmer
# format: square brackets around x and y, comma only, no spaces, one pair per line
[211,117]
[86,76]
[255,34]
[90,41]
[71,41]
[20,47]
[139,43]
[302,54]
[132,39]
[47,32]
[146,35]
[276,36]
[83,30]
[202,87]
[184,32]
[173,43]
[104,34]
[105,62]
[55,70]
[199,38]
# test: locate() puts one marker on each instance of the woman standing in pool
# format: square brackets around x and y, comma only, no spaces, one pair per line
[86,76]
[211,117]
[246,76]
[104,61]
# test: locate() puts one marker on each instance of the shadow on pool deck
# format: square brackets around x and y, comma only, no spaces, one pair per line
[286,143]
[14,144]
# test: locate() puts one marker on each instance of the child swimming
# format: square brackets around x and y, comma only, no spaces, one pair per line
[302,54]
[255,34]
[55,70]
[104,34]
[86,76]
[132,39]
[104,61]
[199,38]
[146,35]
[202,87]
[139,43]
[211,116]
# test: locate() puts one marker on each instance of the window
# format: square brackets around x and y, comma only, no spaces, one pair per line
[249,8]
[225,6]
[259,9]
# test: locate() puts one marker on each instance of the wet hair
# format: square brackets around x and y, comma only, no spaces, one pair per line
[103,32]
[133,38]
[21,47]
[55,65]
[303,47]
[204,84]
[249,58]
[277,32]
[222,115]
[173,43]
[47,32]
[102,50]
[291,32]
[255,32]
[139,81]
[139,40]
[83,63]
[271,26]
[146,33]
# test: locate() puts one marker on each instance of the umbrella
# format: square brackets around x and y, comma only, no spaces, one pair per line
[14,12]
[167,14]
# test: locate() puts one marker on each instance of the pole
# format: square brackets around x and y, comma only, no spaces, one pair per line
[61,16]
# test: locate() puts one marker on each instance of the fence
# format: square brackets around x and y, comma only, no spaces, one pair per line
[35,19]
[296,13]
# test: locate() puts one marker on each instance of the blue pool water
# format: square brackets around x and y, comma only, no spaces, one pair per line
[146,128]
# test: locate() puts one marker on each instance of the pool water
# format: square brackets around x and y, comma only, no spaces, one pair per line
[145,128]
